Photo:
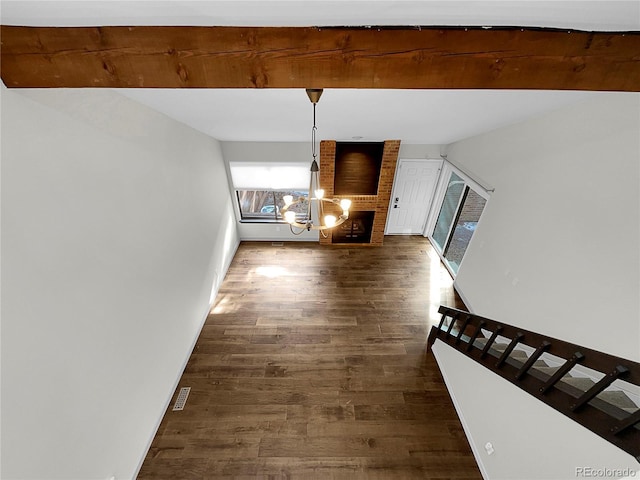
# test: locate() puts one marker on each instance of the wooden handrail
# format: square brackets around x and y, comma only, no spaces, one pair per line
[477,337]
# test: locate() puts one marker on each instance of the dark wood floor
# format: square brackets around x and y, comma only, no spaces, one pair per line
[312,364]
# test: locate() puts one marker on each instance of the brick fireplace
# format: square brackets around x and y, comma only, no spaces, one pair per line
[367,209]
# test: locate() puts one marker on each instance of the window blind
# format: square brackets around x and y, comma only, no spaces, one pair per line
[269,176]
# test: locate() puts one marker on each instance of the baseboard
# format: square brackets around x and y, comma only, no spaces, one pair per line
[474,448]
[173,389]
[464,299]
[185,361]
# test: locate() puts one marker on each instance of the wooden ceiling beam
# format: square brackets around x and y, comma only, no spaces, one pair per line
[311,57]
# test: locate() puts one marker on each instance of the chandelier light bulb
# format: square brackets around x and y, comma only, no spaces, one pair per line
[329,220]
[288,200]
[290,216]
[319,193]
[345,203]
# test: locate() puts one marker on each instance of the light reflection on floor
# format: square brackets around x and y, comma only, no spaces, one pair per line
[272,271]
[439,279]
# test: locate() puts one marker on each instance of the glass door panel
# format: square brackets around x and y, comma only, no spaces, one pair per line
[448,211]
[470,210]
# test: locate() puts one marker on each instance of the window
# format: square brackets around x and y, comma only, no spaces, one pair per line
[461,206]
[265,205]
[450,203]
[469,213]
[261,186]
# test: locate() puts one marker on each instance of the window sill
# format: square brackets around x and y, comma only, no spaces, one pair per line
[264,221]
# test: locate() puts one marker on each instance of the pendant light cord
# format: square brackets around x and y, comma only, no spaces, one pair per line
[313,133]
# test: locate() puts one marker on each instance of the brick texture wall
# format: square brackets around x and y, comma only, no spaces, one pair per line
[378,203]
[472,208]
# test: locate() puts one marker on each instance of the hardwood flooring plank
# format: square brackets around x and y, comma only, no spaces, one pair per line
[403,412]
[289,467]
[298,339]
[371,398]
[320,413]
[224,371]
[339,446]
[332,330]
[180,468]
[385,383]
[318,371]
[305,372]
[246,397]
[249,330]
[287,384]
[400,428]
[251,413]
[170,446]
[388,360]
[222,446]
[312,318]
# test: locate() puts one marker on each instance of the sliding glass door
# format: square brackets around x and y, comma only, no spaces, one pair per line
[469,213]
[448,210]
[461,206]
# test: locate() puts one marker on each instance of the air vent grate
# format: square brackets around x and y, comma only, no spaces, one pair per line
[182,398]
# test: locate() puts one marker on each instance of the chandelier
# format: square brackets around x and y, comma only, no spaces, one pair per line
[314,212]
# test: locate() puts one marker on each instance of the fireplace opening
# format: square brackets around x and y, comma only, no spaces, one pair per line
[357,229]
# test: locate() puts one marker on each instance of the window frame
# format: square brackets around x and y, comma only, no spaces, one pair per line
[254,217]
[441,190]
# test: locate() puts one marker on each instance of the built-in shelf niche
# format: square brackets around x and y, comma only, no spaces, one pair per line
[357,167]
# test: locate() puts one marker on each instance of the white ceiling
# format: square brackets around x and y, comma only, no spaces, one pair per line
[413,116]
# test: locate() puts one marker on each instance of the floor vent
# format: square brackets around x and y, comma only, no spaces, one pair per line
[277,244]
[182,398]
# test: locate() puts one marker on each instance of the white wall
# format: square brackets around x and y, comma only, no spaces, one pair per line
[532,441]
[413,151]
[557,249]
[557,252]
[117,224]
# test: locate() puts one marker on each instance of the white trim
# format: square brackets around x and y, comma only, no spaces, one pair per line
[474,448]
[478,183]
[173,389]
[393,186]
[184,363]
[461,293]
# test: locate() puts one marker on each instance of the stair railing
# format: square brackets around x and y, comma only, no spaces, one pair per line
[543,367]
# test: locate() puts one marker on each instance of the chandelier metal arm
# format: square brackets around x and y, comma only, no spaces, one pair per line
[309,225]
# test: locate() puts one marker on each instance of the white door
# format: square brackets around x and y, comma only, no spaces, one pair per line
[411,197]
